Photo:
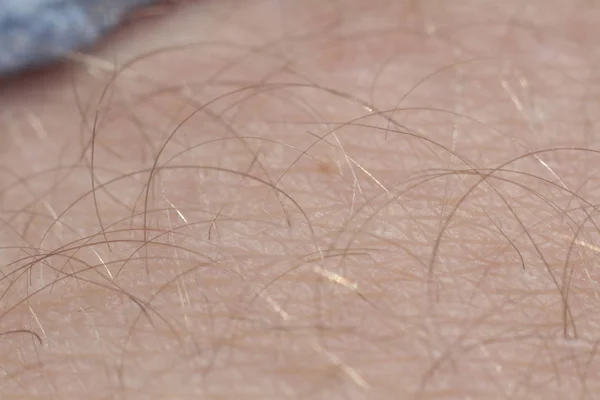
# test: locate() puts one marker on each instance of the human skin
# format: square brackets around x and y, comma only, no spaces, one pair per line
[310,200]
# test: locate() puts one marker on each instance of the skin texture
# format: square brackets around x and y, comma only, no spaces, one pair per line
[307,200]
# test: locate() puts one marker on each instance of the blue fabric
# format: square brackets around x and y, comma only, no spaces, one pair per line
[34,32]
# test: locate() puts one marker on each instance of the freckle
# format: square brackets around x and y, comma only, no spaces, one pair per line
[324,167]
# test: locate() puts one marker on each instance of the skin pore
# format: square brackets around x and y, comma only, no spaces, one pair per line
[307,199]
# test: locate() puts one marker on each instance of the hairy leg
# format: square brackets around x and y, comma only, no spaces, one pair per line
[307,199]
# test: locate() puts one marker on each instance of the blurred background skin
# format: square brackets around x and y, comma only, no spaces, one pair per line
[307,199]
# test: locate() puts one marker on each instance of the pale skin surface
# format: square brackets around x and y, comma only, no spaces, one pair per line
[308,200]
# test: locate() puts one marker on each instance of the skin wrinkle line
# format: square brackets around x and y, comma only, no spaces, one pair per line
[91,237]
[489,174]
[469,171]
[482,179]
[93,267]
[163,146]
[135,60]
[534,154]
[411,90]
